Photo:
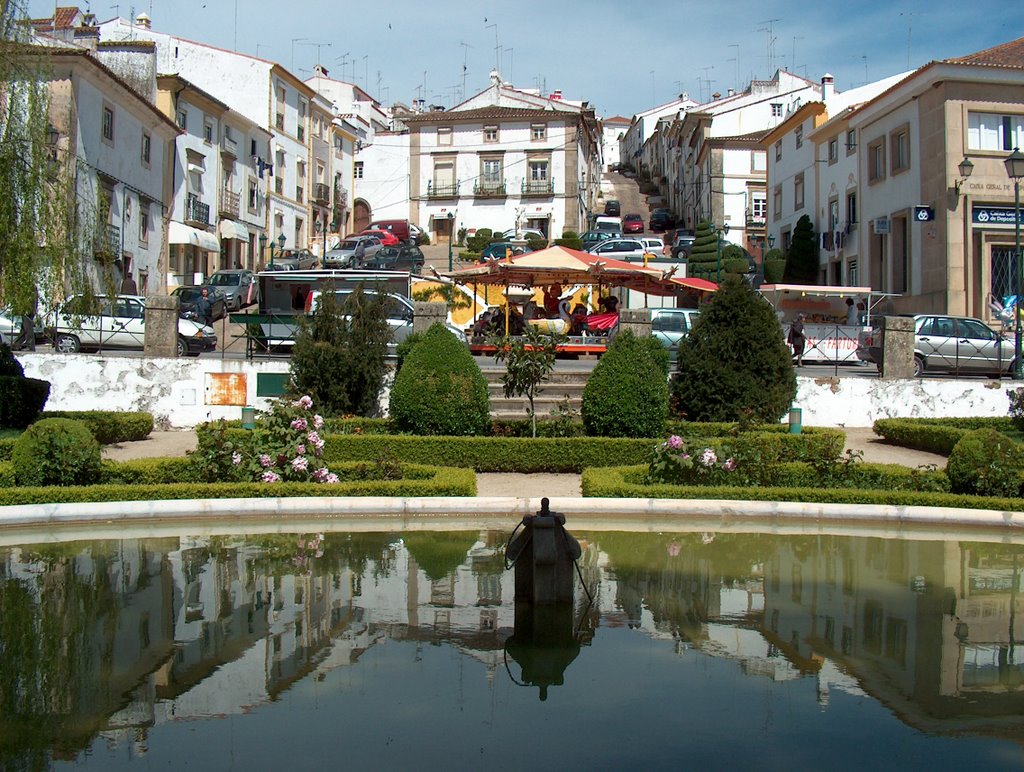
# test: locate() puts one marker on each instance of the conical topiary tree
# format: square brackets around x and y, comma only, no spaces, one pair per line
[734,364]
[802,259]
[704,252]
[627,394]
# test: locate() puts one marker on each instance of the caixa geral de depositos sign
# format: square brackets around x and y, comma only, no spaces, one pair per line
[993,215]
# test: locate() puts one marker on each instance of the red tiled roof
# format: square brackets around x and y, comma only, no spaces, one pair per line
[63,16]
[505,113]
[1004,55]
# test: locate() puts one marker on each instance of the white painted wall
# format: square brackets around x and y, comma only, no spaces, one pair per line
[174,391]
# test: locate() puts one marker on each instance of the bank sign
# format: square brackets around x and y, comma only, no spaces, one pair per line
[993,215]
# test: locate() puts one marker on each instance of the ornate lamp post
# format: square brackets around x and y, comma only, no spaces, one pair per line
[263,246]
[451,237]
[719,232]
[1015,170]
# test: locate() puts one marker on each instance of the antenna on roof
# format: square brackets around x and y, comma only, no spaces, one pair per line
[770,43]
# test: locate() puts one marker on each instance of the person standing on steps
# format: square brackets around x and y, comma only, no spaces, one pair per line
[797,339]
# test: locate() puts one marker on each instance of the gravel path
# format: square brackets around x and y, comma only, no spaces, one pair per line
[874,448]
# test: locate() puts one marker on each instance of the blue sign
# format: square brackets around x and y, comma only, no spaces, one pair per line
[993,215]
[924,214]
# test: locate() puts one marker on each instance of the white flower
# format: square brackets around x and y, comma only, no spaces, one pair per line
[236,458]
[318,422]
[270,477]
[300,463]
[708,458]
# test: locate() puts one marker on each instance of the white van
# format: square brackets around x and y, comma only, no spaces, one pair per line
[605,223]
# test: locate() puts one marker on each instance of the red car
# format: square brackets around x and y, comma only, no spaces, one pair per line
[387,238]
[632,223]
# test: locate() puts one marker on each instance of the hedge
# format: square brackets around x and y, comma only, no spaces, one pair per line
[348,425]
[7,448]
[623,482]
[109,426]
[421,481]
[934,435]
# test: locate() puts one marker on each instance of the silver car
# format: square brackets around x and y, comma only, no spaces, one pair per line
[343,255]
[620,249]
[670,325]
[238,286]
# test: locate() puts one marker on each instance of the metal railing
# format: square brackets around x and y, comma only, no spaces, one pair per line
[321,193]
[107,241]
[196,211]
[538,187]
[229,203]
[489,188]
[450,190]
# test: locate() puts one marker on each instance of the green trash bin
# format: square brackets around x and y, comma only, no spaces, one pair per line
[248,418]
[796,420]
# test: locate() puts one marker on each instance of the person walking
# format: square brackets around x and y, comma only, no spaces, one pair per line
[797,339]
[204,308]
[128,285]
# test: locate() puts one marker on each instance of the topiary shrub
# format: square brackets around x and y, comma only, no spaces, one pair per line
[21,399]
[536,244]
[774,270]
[627,394]
[424,239]
[802,258]
[56,451]
[986,463]
[734,364]
[570,240]
[440,389]
[479,240]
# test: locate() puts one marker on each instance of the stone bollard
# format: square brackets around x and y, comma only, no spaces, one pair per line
[544,555]
[161,319]
[636,320]
[426,313]
[897,348]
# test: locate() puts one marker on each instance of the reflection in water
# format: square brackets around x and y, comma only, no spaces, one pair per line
[107,646]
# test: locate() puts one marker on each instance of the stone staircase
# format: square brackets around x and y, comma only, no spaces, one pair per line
[559,389]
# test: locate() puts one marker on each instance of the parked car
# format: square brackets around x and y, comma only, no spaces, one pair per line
[400,229]
[523,234]
[401,258]
[670,325]
[661,220]
[653,245]
[189,297]
[680,244]
[342,255]
[238,285]
[958,344]
[293,260]
[500,249]
[620,249]
[632,223]
[387,238]
[591,239]
[612,208]
[119,323]
[606,223]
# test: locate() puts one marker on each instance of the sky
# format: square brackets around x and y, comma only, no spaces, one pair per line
[621,57]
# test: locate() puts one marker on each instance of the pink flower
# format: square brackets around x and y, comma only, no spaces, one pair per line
[674,549]
[299,424]
[266,461]
[332,478]
[301,450]
[320,475]
[675,442]
[729,465]
[708,457]
[305,402]
[318,422]
[236,458]
[300,463]
[270,477]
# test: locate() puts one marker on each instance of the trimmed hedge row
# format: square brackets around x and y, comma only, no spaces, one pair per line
[108,426]
[421,481]
[934,435]
[622,482]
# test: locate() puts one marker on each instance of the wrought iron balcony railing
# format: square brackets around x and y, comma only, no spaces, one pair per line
[450,190]
[538,187]
[322,193]
[489,188]
[196,211]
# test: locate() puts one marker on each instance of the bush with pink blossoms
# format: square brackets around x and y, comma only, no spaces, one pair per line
[676,463]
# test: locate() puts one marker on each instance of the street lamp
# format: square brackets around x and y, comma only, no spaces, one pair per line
[451,237]
[263,246]
[719,232]
[1015,170]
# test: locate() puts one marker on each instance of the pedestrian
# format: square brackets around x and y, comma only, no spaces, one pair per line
[128,285]
[204,308]
[797,339]
[852,316]
[359,255]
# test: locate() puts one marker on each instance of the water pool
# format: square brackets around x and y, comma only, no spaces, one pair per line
[400,650]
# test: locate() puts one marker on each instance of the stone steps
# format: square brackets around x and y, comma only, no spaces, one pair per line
[560,390]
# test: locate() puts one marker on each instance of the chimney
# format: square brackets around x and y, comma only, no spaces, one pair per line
[320,70]
[730,92]
[143,20]
[495,78]
[556,94]
[828,88]
[716,96]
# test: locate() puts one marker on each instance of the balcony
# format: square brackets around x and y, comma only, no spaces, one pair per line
[340,197]
[538,188]
[490,189]
[449,190]
[229,145]
[229,203]
[196,211]
[106,242]
[322,193]
[755,220]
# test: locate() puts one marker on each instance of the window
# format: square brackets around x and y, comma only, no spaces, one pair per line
[990,131]
[252,147]
[300,232]
[444,135]
[899,142]
[798,191]
[776,109]
[758,208]
[490,172]
[758,161]
[146,148]
[300,129]
[253,195]
[833,150]
[108,123]
[143,222]
[538,132]
[279,119]
[357,170]
[778,150]
[798,135]
[490,133]
[876,160]
[208,132]
[851,142]
[538,171]
[777,202]
[851,209]
[444,174]
[851,273]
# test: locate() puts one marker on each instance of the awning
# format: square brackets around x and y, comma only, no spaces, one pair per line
[179,233]
[229,229]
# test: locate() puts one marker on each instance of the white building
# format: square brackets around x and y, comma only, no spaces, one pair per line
[613,131]
[645,123]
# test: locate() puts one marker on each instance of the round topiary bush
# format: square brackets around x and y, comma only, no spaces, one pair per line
[56,451]
[627,394]
[734,364]
[21,399]
[986,463]
[440,389]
